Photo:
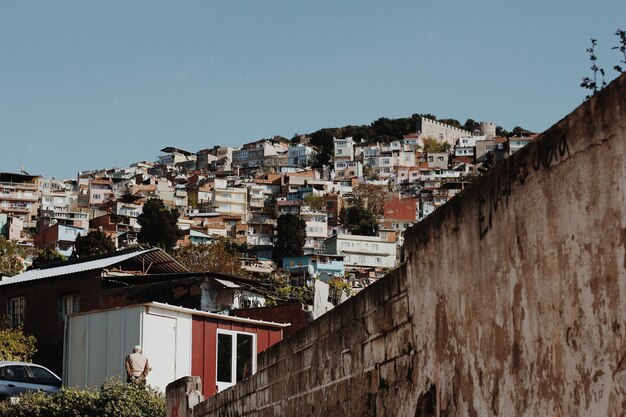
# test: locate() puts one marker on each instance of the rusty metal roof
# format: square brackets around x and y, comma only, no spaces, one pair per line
[145,261]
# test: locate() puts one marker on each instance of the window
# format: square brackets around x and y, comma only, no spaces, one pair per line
[68,304]
[235,357]
[16,309]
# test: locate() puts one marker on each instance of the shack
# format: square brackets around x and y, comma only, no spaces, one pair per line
[178,341]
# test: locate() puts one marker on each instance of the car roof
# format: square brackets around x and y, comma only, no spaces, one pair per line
[2,363]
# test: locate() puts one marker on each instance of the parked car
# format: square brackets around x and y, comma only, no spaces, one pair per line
[19,377]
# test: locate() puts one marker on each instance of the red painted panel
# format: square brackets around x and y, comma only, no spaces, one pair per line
[262,340]
[275,336]
[204,346]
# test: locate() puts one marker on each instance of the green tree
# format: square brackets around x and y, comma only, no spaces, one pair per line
[290,237]
[96,242]
[158,225]
[11,258]
[520,131]
[47,256]
[359,220]
[222,256]
[316,202]
[500,131]
[432,145]
[470,125]
[14,344]
[451,122]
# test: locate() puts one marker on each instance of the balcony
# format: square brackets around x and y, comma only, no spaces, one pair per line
[17,196]
[16,208]
[259,240]
[19,185]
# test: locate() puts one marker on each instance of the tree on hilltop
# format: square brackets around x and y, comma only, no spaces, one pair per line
[158,225]
[96,242]
[290,237]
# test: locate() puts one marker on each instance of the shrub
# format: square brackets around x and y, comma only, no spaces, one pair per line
[114,398]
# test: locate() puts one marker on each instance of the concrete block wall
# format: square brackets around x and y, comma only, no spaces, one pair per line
[511,302]
[338,365]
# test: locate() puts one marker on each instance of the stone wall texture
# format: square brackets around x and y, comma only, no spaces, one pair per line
[512,300]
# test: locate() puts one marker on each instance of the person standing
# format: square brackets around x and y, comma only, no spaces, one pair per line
[137,367]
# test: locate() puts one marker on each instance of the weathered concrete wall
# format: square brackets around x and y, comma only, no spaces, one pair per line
[182,396]
[512,301]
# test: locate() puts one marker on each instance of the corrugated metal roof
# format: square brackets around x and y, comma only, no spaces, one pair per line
[148,260]
[227,284]
[194,312]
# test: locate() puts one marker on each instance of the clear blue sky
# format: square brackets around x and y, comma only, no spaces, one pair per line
[95,84]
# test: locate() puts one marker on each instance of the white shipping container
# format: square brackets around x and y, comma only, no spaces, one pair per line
[97,343]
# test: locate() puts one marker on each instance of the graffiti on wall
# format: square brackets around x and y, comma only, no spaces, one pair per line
[547,152]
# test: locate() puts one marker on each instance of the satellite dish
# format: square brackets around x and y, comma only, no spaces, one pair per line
[311,270]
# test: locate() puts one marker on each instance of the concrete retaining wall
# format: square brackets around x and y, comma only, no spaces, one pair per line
[512,300]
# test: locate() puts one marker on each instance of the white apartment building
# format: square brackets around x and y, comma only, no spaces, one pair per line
[363,251]
[316,230]
[231,201]
[343,150]
[299,155]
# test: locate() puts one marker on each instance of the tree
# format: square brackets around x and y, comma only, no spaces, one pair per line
[222,256]
[47,256]
[371,196]
[14,344]
[500,131]
[316,202]
[359,220]
[96,242]
[290,238]
[369,173]
[432,145]
[520,131]
[451,122]
[10,258]
[158,225]
[470,125]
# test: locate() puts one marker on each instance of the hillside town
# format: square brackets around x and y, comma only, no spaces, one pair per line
[238,193]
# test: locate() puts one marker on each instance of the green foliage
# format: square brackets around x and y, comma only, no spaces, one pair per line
[113,399]
[285,292]
[500,131]
[14,344]
[432,145]
[158,225]
[337,287]
[316,202]
[470,125]
[369,173]
[290,238]
[96,242]
[452,122]
[47,256]
[359,220]
[10,258]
